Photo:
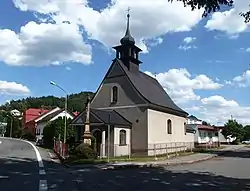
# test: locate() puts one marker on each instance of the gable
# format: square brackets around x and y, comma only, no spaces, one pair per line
[115,70]
[41,117]
[61,114]
[127,94]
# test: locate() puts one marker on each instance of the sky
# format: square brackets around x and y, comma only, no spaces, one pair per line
[202,63]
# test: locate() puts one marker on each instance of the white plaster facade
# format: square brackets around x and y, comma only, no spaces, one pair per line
[204,136]
[40,125]
[160,141]
[114,143]
[192,121]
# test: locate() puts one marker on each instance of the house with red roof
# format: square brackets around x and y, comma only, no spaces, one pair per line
[34,120]
[52,115]
[29,115]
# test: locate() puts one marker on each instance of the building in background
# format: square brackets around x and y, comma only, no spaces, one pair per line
[52,115]
[29,115]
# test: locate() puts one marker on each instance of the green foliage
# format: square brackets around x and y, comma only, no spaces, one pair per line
[76,102]
[84,151]
[56,129]
[246,132]
[211,6]
[16,127]
[234,129]
[27,135]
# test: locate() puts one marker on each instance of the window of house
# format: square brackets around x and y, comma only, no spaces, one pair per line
[122,137]
[169,126]
[185,128]
[114,94]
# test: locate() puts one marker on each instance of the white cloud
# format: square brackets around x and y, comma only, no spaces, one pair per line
[68,68]
[181,85]
[245,49]
[215,101]
[188,43]
[216,109]
[230,21]
[189,40]
[150,19]
[243,80]
[13,88]
[43,44]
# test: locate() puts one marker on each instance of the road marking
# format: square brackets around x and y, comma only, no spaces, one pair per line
[38,156]
[43,185]
[4,177]
[42,172]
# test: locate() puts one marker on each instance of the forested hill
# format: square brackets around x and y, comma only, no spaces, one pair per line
[76,102]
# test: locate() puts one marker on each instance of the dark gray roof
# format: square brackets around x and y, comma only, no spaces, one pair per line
[98,116]
[190,128]
[151,90]
[194,118]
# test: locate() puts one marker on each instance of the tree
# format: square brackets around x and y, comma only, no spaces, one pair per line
[16,127]
[211,6]
[76,102]
[247,132]
[56,129]
[234,129]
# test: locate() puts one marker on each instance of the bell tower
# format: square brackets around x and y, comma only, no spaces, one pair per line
[128,52]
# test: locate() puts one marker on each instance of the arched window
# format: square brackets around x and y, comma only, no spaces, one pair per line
[185,128]
[169,126]
[122,137]
[114,94]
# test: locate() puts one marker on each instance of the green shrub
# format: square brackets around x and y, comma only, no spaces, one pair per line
[28,136]
[84,151]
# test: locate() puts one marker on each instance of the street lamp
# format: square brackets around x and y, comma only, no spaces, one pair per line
[65,112]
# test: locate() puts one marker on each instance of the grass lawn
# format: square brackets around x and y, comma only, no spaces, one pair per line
[75,161]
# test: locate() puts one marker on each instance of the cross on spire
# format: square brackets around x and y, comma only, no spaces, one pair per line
[128,11]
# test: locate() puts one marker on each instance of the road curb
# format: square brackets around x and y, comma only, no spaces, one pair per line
[145,165]
[132,166]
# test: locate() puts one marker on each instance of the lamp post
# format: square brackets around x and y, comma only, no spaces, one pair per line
[65,112]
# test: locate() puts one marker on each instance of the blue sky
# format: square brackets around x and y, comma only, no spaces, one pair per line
[206,79]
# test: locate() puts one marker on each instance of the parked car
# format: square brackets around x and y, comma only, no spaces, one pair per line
[246,142]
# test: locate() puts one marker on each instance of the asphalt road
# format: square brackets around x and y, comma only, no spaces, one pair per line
[19,169]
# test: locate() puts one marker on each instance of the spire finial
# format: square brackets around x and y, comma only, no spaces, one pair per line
[128,15]
[127,39]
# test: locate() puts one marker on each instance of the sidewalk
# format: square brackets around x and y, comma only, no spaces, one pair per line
[188,159]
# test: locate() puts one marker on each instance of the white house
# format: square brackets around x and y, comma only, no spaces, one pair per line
[193,120]
[52,115]
[205,135]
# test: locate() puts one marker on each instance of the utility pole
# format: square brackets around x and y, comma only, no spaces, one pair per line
[65,110]
[109,137]
[11,125]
